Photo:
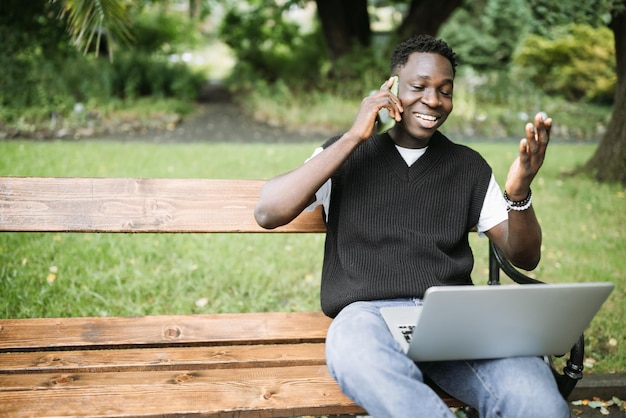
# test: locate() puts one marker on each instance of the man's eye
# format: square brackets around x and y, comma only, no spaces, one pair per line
[446,92]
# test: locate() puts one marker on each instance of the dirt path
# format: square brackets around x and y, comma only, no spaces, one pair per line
[225,122]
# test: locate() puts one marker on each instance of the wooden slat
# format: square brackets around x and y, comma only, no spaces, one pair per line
[163,358]
[217,329]
[284,391]
[173,367]
[136,205]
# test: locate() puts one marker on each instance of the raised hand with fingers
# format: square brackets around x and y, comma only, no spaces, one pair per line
[532,152]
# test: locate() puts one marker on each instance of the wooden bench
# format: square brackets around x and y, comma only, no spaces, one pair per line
[227,365]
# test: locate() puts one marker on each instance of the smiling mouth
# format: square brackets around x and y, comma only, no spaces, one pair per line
[426,121]
[425,117]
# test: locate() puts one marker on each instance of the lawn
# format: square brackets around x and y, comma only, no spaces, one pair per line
[58,275]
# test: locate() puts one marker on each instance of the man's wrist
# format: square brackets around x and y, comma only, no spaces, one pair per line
[519,205]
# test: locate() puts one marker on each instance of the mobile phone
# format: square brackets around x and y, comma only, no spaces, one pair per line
[384,121]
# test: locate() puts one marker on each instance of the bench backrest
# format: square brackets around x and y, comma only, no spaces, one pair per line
[136,205]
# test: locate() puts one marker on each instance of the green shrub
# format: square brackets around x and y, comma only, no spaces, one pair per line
[576,61]
[269,47]
[136,74]
[43,74]
[156,31]
[356,74]
[485,34]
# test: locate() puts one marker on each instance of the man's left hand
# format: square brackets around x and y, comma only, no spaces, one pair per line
[532,151]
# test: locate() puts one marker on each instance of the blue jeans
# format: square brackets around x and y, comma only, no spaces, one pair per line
[372,369]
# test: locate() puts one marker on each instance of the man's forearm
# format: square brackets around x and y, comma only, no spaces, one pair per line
[524,239]
[286,196]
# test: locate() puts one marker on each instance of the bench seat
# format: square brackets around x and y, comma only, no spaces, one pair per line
[252,364]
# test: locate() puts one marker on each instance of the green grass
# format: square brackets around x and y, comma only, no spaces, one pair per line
[52,275]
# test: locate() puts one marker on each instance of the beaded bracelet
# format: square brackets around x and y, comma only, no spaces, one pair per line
[519,205]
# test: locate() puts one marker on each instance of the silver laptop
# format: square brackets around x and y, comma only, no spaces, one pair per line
[480,322]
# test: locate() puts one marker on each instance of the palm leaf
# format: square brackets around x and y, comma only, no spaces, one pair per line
[88,20]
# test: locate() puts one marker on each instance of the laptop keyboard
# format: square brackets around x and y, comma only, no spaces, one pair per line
[407,331]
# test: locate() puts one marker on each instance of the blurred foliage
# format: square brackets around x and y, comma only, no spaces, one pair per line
[356,74]
[275,57]
[535,40]
[575,61]
[270,47]
[485,34]
[549,13]
[140,74]
[158,31]
[26,26]
[577,64]
[42,70]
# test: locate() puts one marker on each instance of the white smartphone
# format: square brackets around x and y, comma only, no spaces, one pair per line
[384,121]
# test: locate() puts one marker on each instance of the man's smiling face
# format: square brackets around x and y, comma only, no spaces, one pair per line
[425,90]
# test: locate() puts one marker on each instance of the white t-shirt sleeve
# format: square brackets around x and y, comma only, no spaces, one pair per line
[322,196]
[494,209]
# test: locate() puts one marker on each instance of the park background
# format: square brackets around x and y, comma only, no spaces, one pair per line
[247,89]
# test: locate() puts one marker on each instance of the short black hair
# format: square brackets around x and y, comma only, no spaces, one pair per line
[421,43]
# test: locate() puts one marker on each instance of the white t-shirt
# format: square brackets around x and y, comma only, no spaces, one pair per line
[494,208]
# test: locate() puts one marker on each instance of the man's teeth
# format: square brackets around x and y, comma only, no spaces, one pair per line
[426,117]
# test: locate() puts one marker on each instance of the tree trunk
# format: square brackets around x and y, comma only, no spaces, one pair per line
[194,9]
[425,17]
[345,24]
[608,164]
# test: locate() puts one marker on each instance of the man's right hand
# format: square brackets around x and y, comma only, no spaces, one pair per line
[365,121]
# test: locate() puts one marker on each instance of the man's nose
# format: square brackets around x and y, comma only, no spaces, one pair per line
[431,98]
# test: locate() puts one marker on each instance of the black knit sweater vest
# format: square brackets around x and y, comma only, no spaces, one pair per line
[392,230]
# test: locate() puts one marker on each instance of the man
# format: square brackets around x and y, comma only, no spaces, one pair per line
[399,207]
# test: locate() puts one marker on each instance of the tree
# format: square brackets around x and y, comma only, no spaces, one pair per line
[345,24]
[608,164]
[426,17]
[194,9]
